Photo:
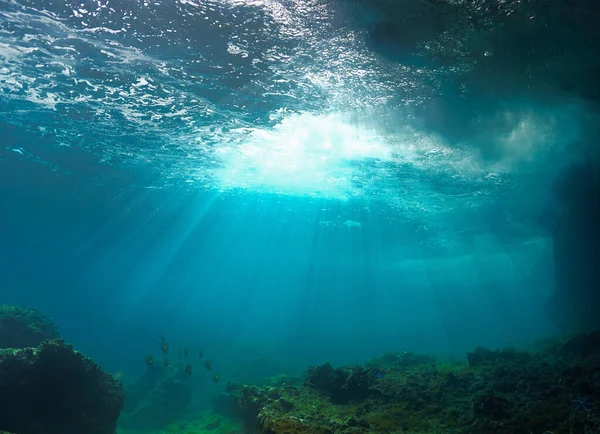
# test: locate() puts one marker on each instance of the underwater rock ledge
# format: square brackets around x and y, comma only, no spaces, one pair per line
[495,391]
[52,389]
[24,327]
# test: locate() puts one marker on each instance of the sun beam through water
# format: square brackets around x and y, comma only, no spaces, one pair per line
[305,155]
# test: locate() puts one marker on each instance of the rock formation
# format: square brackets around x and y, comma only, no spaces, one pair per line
[23,327]
[53,389]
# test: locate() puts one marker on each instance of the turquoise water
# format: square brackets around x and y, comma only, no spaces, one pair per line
[283,183]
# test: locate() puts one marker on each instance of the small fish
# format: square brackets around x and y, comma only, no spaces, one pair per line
[201,353]
[188,369]
[208,365]
[180,352]
[164,347]
[185,351]
[118,375]
[149,361]
[166,363]
[216,378]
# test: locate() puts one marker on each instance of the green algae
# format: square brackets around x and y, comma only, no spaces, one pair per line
[498,391]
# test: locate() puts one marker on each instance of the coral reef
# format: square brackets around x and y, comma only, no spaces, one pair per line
[22,327]
[53,389]
[501,391]
[159,397]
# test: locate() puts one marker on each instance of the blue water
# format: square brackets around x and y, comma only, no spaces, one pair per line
[283,183]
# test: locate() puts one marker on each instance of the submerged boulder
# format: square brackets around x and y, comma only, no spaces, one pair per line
[23,327]
[341,384]
[159,397]
[53,389]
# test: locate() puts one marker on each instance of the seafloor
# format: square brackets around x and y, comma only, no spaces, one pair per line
[548,390]
[47,386]
[202,423]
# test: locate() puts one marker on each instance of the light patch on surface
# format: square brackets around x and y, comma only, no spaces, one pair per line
[352,224]
[305,154]
[204,140]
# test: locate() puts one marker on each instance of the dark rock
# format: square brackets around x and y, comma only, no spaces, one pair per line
[583,345]
[354,422]
[356,387]
[22,327]
[249,401]
[491,406]
[52,389]
[273,393]
[158,398]
[342,384]
[322,377]
[285,405]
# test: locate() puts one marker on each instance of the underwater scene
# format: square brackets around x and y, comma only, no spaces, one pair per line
[299,216]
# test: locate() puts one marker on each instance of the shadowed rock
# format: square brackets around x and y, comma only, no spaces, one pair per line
[53,389]
[341,384]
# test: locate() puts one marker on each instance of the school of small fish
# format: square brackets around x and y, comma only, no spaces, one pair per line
[182,352]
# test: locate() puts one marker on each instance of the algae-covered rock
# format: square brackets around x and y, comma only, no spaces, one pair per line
[498,391]
[341,384]
[158,398]
[52,389]
[23,327]
[286,409]
[584,346]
